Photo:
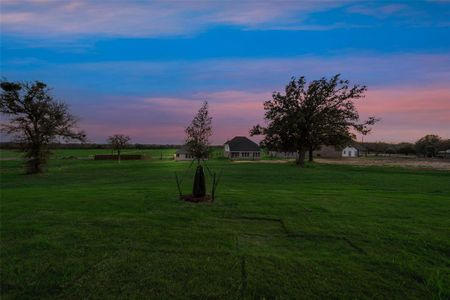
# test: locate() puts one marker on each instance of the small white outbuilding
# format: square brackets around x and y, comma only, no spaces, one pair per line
[350,152]
[182,154]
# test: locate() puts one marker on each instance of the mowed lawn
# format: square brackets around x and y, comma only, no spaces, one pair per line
[101,230]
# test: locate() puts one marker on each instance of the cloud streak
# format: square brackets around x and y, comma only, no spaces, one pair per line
[153,101]
[407,114]
[143,68]
[170,78]
[146,19]
[71,19]
[163,119]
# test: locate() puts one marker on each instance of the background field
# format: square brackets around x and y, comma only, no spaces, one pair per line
[165,154]
[103,230]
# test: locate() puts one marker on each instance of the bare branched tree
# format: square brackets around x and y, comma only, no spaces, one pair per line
[118,142]
[36,120]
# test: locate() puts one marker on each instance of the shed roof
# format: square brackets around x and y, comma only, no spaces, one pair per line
[182,150]
[242,143]
[359,146]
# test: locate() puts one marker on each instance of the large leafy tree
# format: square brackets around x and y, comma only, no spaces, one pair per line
[118,142]
[405,148]
[428,145]
[307,116]
[36,120]
[444,145]
[197,143]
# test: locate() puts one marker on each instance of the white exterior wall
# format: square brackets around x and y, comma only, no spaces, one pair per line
[350,152]
[182,156]
[283,154]
[245,155]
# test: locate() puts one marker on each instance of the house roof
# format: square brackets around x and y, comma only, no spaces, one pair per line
[182,150]
[350,146]
[242,143]
[359,146]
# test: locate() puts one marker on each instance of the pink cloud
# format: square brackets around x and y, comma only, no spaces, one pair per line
[406,113]
[407,100]
[161,134]
[163,120]
[141,18]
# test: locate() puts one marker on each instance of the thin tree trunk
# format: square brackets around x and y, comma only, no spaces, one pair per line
[118,154]
[310,157]
[35,160]
[199,188]
[301,158]
[34,165]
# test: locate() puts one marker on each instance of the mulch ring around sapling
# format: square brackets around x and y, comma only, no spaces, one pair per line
[192,198]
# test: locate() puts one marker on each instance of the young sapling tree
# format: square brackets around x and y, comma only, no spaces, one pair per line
[197,143]
[118,142]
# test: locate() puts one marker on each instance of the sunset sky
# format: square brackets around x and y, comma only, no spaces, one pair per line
[143,68]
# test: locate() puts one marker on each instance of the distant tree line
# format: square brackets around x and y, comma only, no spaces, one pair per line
[427,146]
[301,119]
[14,146]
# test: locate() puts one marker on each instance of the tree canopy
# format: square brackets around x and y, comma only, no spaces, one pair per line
[35,120]
[198,133]
[118,142]
[429,145]
[307,116]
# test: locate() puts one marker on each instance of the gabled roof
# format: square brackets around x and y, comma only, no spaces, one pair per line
[350,146]
[182,150]
[241,143]
[359,146]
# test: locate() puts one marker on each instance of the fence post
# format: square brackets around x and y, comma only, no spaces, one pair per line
[178,184]
[213,186]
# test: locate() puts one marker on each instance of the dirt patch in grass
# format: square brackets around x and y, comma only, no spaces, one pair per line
[415,163]
[192,198]
[278,161]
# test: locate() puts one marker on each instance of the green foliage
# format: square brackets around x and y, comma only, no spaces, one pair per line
[197,143]
[36,120]
[84,230]
[428,145]
[198,133]
[405,148]
[307,116]
[118,142]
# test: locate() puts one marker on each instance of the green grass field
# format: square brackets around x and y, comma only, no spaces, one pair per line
[99,229]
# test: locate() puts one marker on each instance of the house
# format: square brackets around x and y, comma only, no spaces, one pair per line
[350,151]
[241,147]
[444,154]
[328,152]
[323,152]
[182,154]
[282,154]
[362,151]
